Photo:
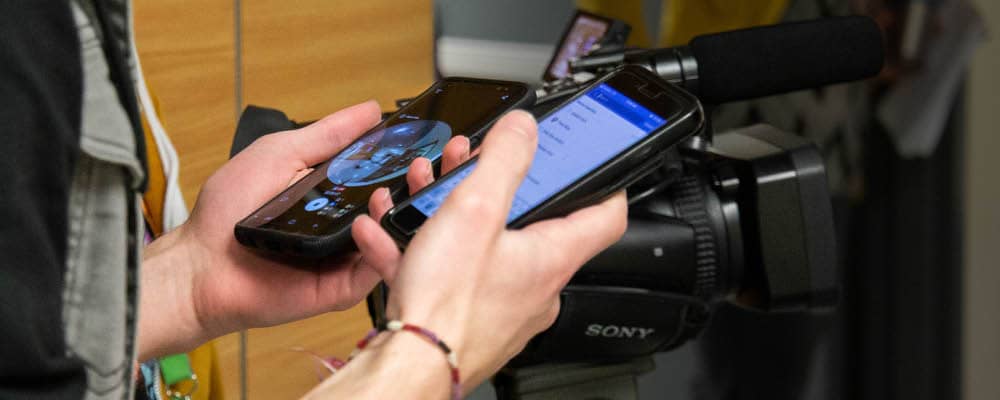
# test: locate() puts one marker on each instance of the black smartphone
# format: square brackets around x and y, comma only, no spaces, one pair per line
[312,218]
[584,31]
[603,139]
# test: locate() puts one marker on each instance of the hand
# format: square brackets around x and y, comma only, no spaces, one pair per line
[199,283]
[483,289]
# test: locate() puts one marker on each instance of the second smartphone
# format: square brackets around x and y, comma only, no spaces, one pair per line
[312,218]
[603,139]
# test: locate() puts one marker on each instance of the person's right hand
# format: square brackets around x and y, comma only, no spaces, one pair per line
[484,289]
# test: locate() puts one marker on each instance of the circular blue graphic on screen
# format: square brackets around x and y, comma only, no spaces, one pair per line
[386,153]
[317,204]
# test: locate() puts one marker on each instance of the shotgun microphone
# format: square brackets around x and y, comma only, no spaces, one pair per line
[763,61]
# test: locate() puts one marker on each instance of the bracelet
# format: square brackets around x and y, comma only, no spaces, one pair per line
[396,326]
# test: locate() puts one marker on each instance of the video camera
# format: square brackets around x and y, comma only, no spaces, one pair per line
[742,216]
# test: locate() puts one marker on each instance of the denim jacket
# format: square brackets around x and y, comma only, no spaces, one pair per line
[105,223]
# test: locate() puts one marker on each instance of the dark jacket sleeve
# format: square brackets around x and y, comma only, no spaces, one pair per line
[40,105]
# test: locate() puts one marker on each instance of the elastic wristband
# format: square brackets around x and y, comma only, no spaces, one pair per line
[396,326]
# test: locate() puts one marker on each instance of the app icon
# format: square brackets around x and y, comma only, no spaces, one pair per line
[317,204]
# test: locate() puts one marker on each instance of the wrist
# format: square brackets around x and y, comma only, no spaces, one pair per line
[393,365]
[168,322]
[475,355]
[413,355]
[450,331]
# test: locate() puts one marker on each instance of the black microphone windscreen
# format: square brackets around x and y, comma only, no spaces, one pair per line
[776,59]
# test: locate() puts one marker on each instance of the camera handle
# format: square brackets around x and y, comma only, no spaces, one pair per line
[587,381]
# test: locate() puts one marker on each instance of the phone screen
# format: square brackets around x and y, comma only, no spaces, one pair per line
[573,141]
[339,189]
[585,31]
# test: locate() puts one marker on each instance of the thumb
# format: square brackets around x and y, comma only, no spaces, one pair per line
[322,139]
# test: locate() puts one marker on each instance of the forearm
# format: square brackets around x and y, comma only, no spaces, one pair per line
[168,323]
[397,366]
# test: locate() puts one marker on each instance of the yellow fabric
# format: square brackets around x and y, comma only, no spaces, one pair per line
[204,362]
[681,20]
[629,11]
[205,365]
[155,196]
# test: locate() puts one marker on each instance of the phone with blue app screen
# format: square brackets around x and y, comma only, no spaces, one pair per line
[603,139]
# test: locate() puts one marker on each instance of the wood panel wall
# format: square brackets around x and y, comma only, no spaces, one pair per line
[308,58]
[186,49]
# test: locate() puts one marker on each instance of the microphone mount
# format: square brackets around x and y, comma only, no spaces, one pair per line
[676,65]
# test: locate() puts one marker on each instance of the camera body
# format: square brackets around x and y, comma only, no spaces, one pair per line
[746,220]
[743,216]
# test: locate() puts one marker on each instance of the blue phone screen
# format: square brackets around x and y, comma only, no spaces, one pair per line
[572,141]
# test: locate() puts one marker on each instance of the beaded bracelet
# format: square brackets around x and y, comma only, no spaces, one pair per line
[396,326]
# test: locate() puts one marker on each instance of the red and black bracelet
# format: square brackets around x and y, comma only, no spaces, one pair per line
[395,326]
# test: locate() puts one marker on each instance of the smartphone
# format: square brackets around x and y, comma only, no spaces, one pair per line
[312,218]
[601,140]
[584,31]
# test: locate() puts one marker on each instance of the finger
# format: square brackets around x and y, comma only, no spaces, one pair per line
[455,153]
[379,203]
[475,152]
[420,174]
[322,139]
[363,279]
[274,160]
[343,286]
[551,313]
[578,237]
[487,193]
[376,246]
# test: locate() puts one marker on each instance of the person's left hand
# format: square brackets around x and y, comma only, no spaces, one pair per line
[199,283]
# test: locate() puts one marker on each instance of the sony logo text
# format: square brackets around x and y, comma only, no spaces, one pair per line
[619,332]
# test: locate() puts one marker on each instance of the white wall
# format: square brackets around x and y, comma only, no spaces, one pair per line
[982,217]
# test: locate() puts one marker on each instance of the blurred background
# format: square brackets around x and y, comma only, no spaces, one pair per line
[910,157]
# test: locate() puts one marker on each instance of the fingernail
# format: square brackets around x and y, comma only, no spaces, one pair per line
[429,175]
[519,126]
[466,148]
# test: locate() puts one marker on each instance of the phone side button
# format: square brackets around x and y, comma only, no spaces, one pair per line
[641,155]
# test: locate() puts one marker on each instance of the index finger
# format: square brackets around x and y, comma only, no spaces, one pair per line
[486,194]
[584,233]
